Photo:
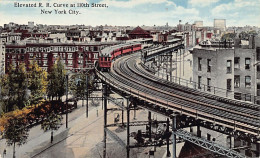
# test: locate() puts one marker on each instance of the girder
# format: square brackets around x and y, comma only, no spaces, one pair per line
[209,145]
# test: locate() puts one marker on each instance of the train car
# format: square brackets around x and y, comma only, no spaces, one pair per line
[110,53]
[104,63]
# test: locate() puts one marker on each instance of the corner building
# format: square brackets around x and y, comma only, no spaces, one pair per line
[231,71]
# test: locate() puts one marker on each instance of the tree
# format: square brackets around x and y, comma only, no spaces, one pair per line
[21,86]
[57,80]
[52,122]
[4,86]
[77,85]
[14,88]
[228,37]
[16,131]
[37,80]
[11,89]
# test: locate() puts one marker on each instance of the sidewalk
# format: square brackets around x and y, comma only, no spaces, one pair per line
[38,140]
[84,137]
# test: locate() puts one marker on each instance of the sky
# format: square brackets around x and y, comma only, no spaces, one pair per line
[134,12]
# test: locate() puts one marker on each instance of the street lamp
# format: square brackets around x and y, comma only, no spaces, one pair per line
[87,94]
[67,78]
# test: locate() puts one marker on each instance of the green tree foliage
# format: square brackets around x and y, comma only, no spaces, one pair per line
[37,80]
[57,80]
[228,37]
[245,35]
[16,131]
[77,85]
[4,84]
[52,122]
[14,88]
[21,85]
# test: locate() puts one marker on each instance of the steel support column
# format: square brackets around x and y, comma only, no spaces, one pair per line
[174,137]
[258,148]
[123,117]
[176,68]
[105,118]
[183,62]
[232,141]
[134,111]
[180,62]
[198,131]
[171,67]
[128,129]
[150,125]
[168,139]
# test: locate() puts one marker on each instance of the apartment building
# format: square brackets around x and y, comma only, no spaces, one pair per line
[227,69]
[74,55]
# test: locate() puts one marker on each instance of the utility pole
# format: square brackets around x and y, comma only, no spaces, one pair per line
[105,118]
[87,96]
[67,78]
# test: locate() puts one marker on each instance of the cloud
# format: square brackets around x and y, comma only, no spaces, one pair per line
[237,5]
[239,12]
[201,3]
[110,16]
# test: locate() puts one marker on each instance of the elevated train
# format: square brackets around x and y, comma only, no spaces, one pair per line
[108,54]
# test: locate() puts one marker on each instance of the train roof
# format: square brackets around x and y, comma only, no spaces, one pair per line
[106,51]
[173,40]
[141,40]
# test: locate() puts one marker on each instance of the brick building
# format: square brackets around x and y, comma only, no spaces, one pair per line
[74,55]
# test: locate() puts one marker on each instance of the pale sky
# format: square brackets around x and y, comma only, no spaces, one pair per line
[136,12]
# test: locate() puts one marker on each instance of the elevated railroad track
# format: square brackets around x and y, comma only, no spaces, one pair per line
[129,77]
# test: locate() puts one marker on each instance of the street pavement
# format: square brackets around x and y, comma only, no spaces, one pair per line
[83,138]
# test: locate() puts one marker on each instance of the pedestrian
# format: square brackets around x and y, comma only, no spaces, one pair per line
[4,153]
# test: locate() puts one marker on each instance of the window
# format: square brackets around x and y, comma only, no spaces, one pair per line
[237,96]
[45,63]
[247,63]
[199,82]
[258,53]
[229,66]
[69,62]
[70,56]
[80,62]
[258,68]
[80,55]
[236,81]
[247,81]
[209,65]
[95,56]
[236,63]
[199,64]
[208,137]
[258,90]
[229,84]
[247,97]
[208,84]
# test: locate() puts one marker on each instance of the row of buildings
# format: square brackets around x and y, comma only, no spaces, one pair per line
[79,46]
